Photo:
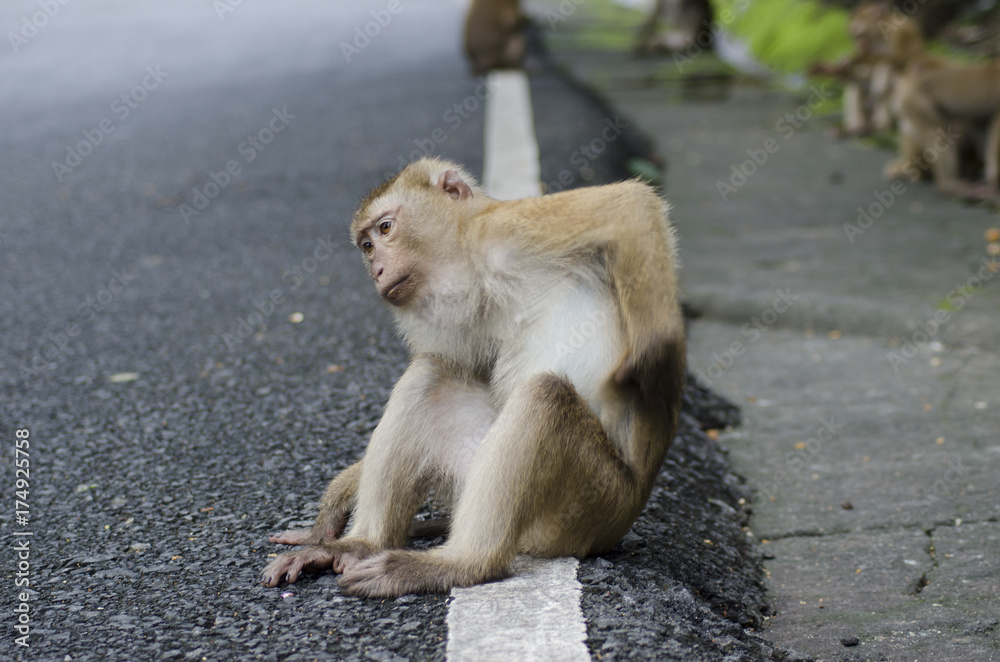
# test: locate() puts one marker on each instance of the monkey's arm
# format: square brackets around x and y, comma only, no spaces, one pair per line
[626,225]
[335,507]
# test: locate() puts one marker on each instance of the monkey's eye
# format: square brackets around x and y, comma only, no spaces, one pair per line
[384,227]
[367,246]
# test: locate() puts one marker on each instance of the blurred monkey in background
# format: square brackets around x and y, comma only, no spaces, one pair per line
[690,24]
[494,35]
[949,115]
[886,43]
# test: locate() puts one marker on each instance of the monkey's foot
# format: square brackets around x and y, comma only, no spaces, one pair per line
[349,553]
[902,168]
[981,193]
[286,568]
[339,555]
[398,572]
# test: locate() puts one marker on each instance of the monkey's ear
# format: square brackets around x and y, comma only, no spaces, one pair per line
[452,183]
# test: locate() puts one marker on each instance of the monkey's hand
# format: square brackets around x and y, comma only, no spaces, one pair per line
[981,193]
[339,556]
[625,374]
[654,371]
[291,537]
[899,168]
[322,532]
[335,509]
[286,568]
[829,68]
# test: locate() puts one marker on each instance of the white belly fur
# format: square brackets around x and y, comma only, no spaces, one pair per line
[573,330]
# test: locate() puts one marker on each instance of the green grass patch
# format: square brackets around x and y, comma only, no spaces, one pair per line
[787,35]
[602,25]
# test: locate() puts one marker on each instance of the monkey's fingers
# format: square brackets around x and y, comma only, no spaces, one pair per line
[647,365]
[326,529]
[291,537]
[625,371]
[287,567]
[368,578]
[348,553]
[898,169]
[400,571]
[981,193]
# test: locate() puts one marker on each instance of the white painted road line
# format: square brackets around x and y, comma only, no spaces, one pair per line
[535,614]
[510,168]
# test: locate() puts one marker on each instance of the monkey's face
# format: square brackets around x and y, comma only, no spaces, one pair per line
[865,28]
[383,243]
[406,228]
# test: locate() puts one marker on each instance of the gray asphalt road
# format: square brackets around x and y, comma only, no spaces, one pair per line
[195,349]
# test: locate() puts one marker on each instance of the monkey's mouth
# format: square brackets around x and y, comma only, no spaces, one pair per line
[399,292]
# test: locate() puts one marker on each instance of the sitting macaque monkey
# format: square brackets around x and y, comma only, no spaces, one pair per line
[938,106]
[690,24]
[886,42]
[548,356]
[494,35]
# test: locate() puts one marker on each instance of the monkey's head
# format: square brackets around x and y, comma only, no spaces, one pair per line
[871,25]
[409,225]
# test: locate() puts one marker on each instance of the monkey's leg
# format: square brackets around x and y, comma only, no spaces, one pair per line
[931,139]
[645,40]
[909,162]
[335,508]
[992,157]
[546,480]
[855,115]
[944,157]
[513,51]
[432,422]
[430,431]
[880,95]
